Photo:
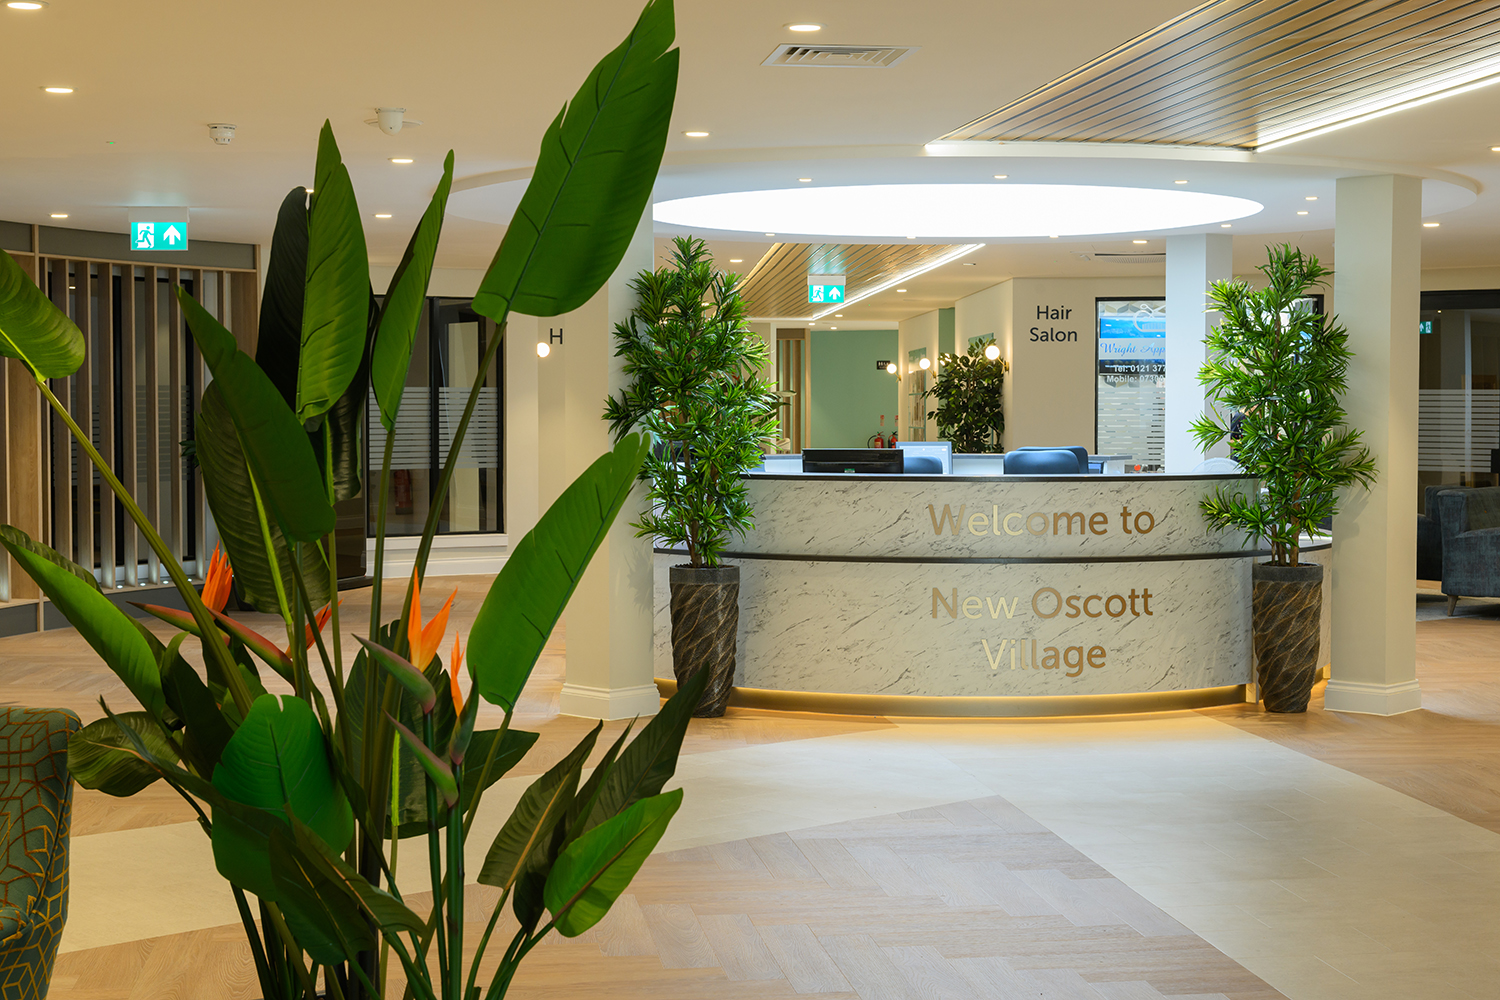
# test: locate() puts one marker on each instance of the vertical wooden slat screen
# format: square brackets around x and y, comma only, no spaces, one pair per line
[200,374]
[152,431]
[104,335]
[62,449]
[131,412]
[174,526]
[119,398]
[83,414]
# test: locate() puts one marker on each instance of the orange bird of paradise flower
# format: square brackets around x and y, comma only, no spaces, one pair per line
[216,582]
[455,664]
[424,640]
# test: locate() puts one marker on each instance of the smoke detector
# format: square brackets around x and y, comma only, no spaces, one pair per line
[391,120]
[221,133]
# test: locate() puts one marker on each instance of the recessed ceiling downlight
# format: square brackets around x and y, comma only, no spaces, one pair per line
[26,4]
[953,211]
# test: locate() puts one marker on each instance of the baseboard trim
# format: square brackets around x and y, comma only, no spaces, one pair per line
[608,703]
[1364,698]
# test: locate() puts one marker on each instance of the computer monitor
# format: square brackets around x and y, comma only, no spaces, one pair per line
[865,461]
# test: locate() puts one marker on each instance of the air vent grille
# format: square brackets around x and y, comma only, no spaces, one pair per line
[840,56]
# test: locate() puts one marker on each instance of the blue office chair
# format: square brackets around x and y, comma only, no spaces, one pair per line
[923,465]
[1079,450]
[1041,462]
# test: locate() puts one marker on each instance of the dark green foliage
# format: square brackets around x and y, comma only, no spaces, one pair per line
[970,411]
[696,388]
[1283,368]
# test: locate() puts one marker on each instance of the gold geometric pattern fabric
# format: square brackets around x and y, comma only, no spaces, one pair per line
[36,799]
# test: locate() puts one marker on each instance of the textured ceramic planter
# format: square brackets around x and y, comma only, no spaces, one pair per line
[705,623]
[1287,615]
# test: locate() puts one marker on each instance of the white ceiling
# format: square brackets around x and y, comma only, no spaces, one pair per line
[485,78]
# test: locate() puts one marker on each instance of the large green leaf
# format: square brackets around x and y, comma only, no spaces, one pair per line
[534,585]
[276,758]
[404,300]
[275,445]
[32,328]
[594,174]
[18,537]
[593,870]
[103,626]
[345,421]
[651,759]
[205,733]
[280,340]
[528,831]
[101,756]
[226,480]
[321,914]
[335,314]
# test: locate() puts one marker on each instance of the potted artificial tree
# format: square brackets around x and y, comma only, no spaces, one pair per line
[695,387]
[1281,369]
[970,411]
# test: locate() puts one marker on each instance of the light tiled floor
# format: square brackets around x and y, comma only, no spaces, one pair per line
[1317,880]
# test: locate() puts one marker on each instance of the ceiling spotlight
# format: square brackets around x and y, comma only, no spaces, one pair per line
[911,237]
[58,90]
[804,180]
[696,135]
[1495,149]
[736,260]
[1052,237]
[833,328]
[1224,225]
[838,315]
[26,4]
[1311,197]
[770,234]
[402,159]
[1001,177]
[900,289]
[804,26]
[1139,242]
[543,348]
[970,263]
[924,364]
[1431,225]
[382,215]
[1179,182]
[992,352]
[58,215]
[1302,213]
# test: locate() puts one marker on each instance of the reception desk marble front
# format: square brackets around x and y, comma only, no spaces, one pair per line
[1013,595]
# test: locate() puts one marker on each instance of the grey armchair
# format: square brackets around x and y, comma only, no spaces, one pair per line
[1430,535]
[1470,521]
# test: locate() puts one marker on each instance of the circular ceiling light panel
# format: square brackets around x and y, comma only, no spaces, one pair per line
[953,211]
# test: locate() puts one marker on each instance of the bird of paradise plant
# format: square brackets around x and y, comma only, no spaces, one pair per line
[305,797]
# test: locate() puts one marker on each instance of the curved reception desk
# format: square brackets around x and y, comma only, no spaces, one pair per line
[953,595]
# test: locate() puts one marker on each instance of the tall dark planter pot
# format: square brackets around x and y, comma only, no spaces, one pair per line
[1287,619]
[705,624]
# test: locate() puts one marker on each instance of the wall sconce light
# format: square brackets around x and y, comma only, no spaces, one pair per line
[924,364]
[992,352]
[543,349]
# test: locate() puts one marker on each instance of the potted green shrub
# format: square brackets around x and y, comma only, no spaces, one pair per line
[970,411]
[696,390]
[1280,368]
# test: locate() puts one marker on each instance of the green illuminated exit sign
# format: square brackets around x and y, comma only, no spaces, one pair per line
[158,236]
[825,288]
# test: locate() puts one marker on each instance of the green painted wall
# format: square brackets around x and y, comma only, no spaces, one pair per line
[848,392]
[946,327]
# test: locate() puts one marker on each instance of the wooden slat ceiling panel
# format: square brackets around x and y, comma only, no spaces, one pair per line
[777,285]
[1244,72]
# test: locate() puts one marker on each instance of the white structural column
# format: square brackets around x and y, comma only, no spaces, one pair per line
[1193,264]
[522,428]
[1377,248]
[609,620]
